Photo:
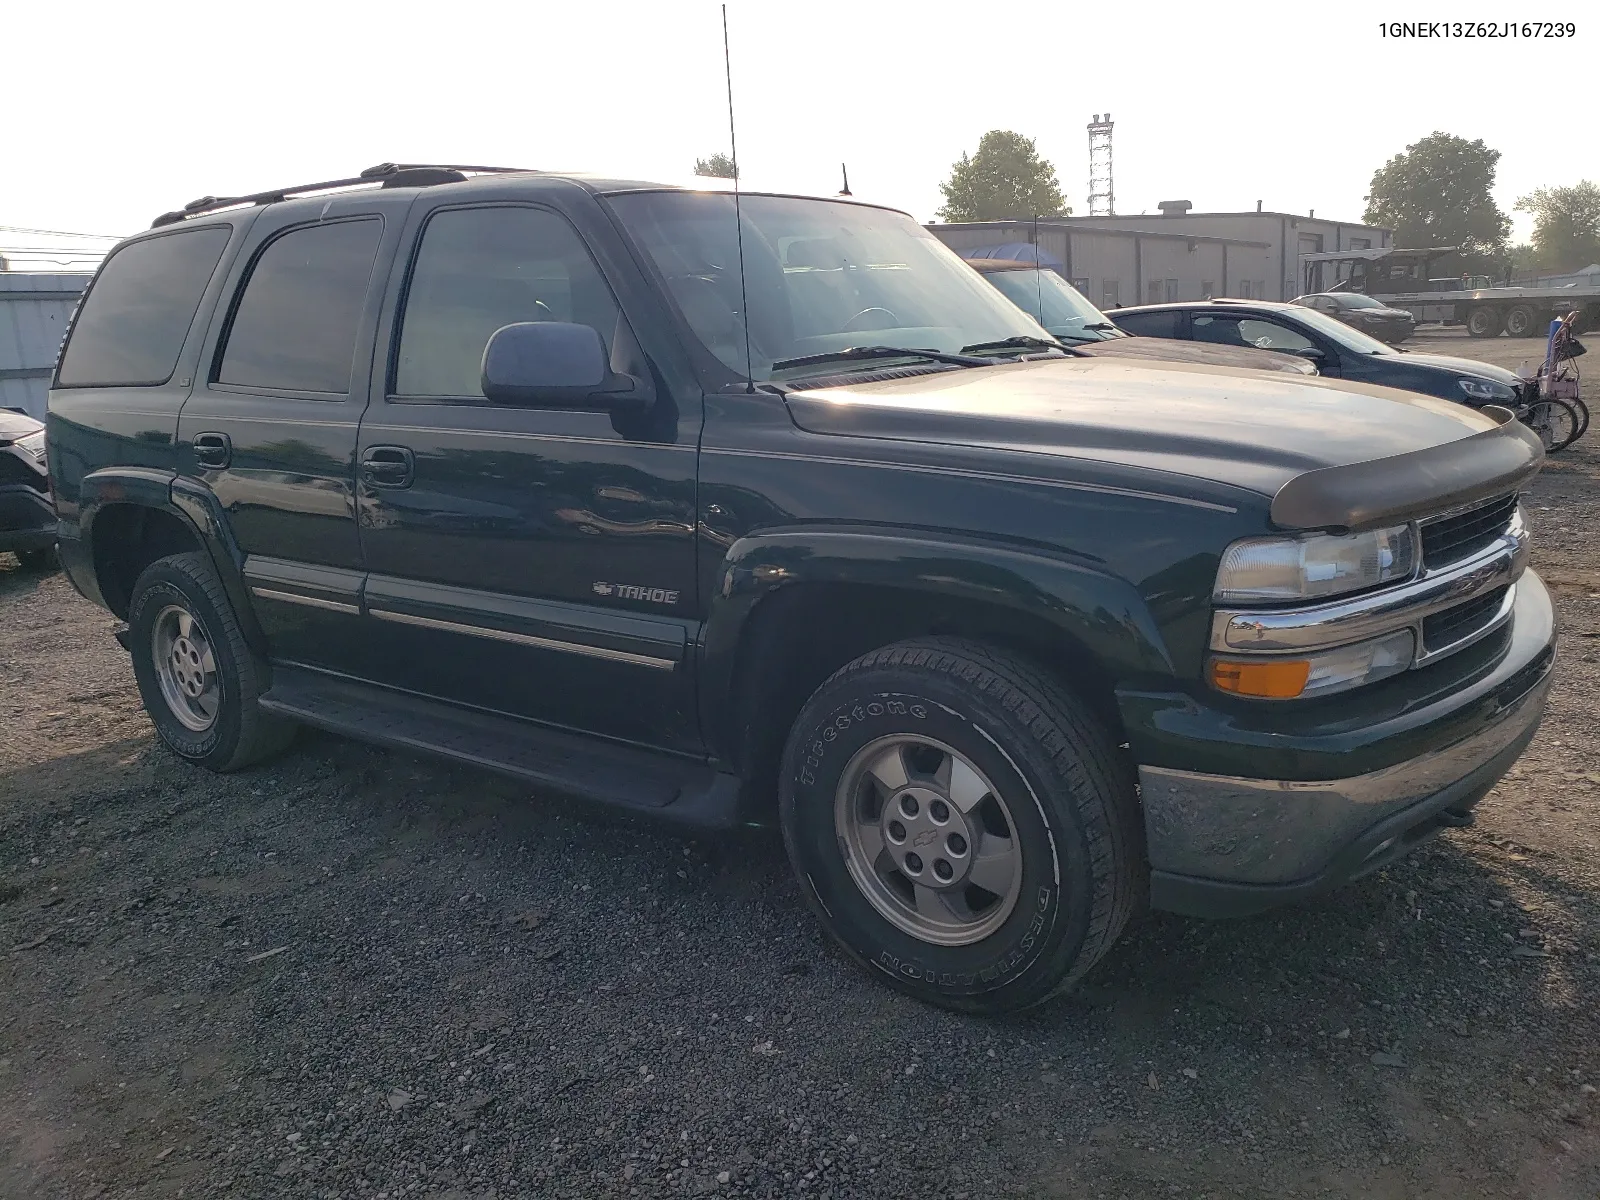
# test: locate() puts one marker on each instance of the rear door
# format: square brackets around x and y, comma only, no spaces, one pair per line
[1169,323]
[271,426]
[533,561]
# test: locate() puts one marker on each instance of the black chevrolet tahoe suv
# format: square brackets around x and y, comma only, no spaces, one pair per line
[735,509]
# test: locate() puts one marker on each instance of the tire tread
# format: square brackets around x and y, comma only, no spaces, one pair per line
[260,734]
[1076,746]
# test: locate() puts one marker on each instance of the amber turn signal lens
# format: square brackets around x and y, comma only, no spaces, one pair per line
[1274,680]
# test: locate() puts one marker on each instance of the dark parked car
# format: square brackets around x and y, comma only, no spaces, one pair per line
[1340,351]
[525,471]
[1067,313]
[27,522]
[1392,325]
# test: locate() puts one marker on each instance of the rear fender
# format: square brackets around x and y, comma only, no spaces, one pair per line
[191,502]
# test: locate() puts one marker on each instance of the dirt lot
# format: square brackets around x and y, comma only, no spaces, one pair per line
[351,973]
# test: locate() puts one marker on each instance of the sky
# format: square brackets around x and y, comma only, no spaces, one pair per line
[132,110]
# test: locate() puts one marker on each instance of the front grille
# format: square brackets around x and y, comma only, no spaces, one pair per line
[1450,539]
[1445,629]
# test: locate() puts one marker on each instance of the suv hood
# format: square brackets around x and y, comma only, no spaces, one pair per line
[14,425]
[1250,430]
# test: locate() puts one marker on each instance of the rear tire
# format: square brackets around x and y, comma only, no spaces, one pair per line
[1483,322]
[197,676]
[1521,322]
[998,762]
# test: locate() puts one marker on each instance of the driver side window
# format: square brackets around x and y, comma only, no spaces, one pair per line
[479,269]
[1252,332]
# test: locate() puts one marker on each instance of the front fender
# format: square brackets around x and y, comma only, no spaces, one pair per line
[1099,612]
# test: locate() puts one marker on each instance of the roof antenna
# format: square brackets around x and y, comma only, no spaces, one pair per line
[845,190]
[1038,271]
[738,221]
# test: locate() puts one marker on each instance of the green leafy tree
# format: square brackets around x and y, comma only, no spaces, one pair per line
[718,166]
[1005,178]
[1566,225]
[1438,194]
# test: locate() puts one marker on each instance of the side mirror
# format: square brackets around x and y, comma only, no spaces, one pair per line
[1310,352]
[553,364]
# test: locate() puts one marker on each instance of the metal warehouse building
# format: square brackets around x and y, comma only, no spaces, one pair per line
[1174,255]
[34,312]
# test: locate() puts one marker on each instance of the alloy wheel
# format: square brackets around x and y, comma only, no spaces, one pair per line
[928,840]
[186,668]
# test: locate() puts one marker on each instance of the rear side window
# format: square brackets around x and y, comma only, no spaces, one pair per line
[1151,324]
[139,310]
[294,329]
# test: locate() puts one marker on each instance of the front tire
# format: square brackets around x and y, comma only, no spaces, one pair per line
[962,825]
[197,675]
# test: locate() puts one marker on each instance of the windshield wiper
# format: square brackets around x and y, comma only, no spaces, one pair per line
[854,353]
[1023,341]
[1103,325]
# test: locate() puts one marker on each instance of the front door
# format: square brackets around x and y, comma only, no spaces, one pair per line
[530,561]
[1260,332]
[270,426]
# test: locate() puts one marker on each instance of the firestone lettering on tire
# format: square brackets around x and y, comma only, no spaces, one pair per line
[1013,960]
[858,714]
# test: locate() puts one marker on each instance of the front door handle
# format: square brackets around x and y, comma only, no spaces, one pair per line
[213,450]
[388,467]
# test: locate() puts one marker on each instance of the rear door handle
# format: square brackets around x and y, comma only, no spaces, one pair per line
[214,450]
[388,467]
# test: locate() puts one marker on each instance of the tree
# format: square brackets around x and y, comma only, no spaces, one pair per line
[1005,178]
[1438,194]
[1566,225]
[718,166]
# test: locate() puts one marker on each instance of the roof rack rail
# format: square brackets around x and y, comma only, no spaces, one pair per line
[384,174]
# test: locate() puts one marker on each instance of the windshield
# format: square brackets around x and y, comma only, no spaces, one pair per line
[1336,330]
[821,276]
[1353,300]
[1053,302]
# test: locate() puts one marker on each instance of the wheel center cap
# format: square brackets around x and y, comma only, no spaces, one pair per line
[928,837]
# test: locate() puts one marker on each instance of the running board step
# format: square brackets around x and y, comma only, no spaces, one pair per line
[621,777]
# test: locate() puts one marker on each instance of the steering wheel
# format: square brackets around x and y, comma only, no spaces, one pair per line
[850,325]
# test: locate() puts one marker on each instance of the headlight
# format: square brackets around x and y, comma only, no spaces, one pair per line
[33,443]
[1483,389]
[1266,569]
[1320,674]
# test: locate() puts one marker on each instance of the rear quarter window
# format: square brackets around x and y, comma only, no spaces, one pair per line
[139,309]
[294,328]
[1151,324]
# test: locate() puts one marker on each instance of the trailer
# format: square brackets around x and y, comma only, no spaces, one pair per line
[1404,279]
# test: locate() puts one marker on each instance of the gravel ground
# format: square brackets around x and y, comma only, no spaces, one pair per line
[354,973]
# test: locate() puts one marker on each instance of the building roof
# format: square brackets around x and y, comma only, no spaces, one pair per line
[1156,216]
[1068,224]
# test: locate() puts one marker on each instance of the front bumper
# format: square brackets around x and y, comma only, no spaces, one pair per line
[1223,845]
[27,522]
